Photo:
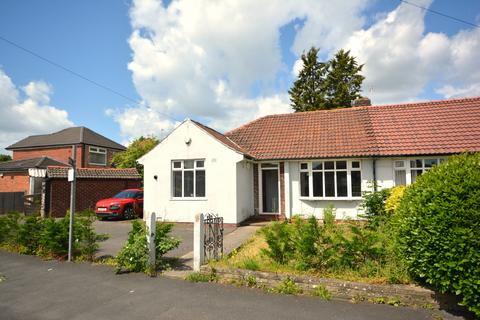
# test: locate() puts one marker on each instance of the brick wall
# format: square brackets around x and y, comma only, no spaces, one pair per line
[62,154]
[59,153]
[89,191]
[282,189]
[15,182]
[255,189]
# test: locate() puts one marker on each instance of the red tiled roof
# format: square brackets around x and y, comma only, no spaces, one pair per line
[435,127]
[94,173]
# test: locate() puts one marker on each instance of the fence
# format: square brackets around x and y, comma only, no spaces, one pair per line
[11,201]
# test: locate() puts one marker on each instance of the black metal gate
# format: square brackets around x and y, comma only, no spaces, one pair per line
[213,237]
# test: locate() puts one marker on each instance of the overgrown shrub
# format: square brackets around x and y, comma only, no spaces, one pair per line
[49,237]
[438,228]
[280,242]
[373,205]
[393,200]
[134,255]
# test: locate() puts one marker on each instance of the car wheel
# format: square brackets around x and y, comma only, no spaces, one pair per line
[128,213]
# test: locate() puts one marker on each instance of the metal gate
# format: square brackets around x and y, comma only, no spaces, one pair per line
[213,237]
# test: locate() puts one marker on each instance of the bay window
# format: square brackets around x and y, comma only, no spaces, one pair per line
[188,178]
[330,179]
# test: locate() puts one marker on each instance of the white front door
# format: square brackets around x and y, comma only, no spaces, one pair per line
[269,182]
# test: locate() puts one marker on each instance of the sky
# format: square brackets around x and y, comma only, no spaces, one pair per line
[223,63]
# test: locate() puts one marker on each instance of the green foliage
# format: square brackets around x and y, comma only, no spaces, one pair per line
[322,292]
[5,157]
[202,277]
[307,92]
[393,200]
[288,286]
[251,281]
[326,85]
[280,243]
[129,157]
[438,228]
[251,264]
[373,204]
[343,81]
[49,237]
[134,255]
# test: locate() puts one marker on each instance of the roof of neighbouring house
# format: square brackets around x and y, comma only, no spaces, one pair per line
[434,127]
[94,173]
[68,136]
[23,165]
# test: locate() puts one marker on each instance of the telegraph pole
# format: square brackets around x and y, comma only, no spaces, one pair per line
[72,177]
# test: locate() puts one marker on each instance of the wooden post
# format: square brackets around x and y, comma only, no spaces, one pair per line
[151,229]
[198,241]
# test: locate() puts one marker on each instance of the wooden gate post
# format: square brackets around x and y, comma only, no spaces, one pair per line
[198,242]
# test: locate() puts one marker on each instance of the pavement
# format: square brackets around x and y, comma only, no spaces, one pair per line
[35,289]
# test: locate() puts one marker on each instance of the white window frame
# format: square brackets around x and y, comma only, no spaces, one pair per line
[194,170]
[408,168]
[349,169]
[97,150]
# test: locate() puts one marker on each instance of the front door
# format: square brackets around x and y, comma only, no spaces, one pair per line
[270,198]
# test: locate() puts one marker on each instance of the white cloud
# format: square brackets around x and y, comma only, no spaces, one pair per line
[28,113]
[203,59]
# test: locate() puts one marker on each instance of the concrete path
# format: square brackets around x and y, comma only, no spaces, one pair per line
[231,241]
[35,289]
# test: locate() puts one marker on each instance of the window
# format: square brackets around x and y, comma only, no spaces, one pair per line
[188,178]
[407,171]
[97,156]
[330,179]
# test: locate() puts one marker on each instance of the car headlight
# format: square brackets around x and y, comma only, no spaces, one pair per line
[114,206]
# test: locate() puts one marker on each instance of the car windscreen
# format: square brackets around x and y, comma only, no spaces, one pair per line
[126,194]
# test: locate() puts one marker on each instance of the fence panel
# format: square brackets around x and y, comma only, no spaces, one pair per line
[11,201]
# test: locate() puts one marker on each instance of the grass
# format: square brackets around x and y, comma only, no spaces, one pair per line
[202,277]
[322,292]
[250,257]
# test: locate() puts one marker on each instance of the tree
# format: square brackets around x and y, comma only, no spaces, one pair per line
[129,157]
[308,92]
[326,85]
[5,157]
[343,81]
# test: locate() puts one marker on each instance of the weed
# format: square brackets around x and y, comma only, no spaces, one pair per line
[322,292]
[251,264]
[251,281]
[202,277]
[394,301]
[377,300]
[288,286]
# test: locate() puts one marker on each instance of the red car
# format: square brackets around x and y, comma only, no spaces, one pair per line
[127,204]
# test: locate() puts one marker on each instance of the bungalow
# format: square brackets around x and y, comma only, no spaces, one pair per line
[299,163]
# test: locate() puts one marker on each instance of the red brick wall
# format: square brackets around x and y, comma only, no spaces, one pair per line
[62,154]
[89,191]
[15,182]
[282,189]
[59,153]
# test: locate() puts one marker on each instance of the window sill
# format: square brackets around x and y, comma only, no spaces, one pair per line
[97,164]
[331,198]
[188,199]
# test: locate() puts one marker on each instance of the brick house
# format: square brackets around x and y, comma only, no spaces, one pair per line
[29,171]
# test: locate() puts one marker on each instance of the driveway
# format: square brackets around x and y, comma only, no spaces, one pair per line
[36,289]
[118,232]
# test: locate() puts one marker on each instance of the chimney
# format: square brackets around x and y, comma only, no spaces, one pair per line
[361,102]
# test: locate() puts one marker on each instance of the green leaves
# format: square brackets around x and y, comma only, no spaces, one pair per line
[438,227]
[129,157]
[326,85]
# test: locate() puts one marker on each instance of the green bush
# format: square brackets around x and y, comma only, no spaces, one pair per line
[373,205]
[280,243]
[49,237]
[134,255]
[438,228]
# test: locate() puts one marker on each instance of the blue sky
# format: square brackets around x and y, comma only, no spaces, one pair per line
[224,82]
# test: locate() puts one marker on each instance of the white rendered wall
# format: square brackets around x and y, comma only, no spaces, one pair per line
[220,175]
[244,190]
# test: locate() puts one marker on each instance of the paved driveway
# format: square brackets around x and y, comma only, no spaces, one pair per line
[118,232]
[36,289]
